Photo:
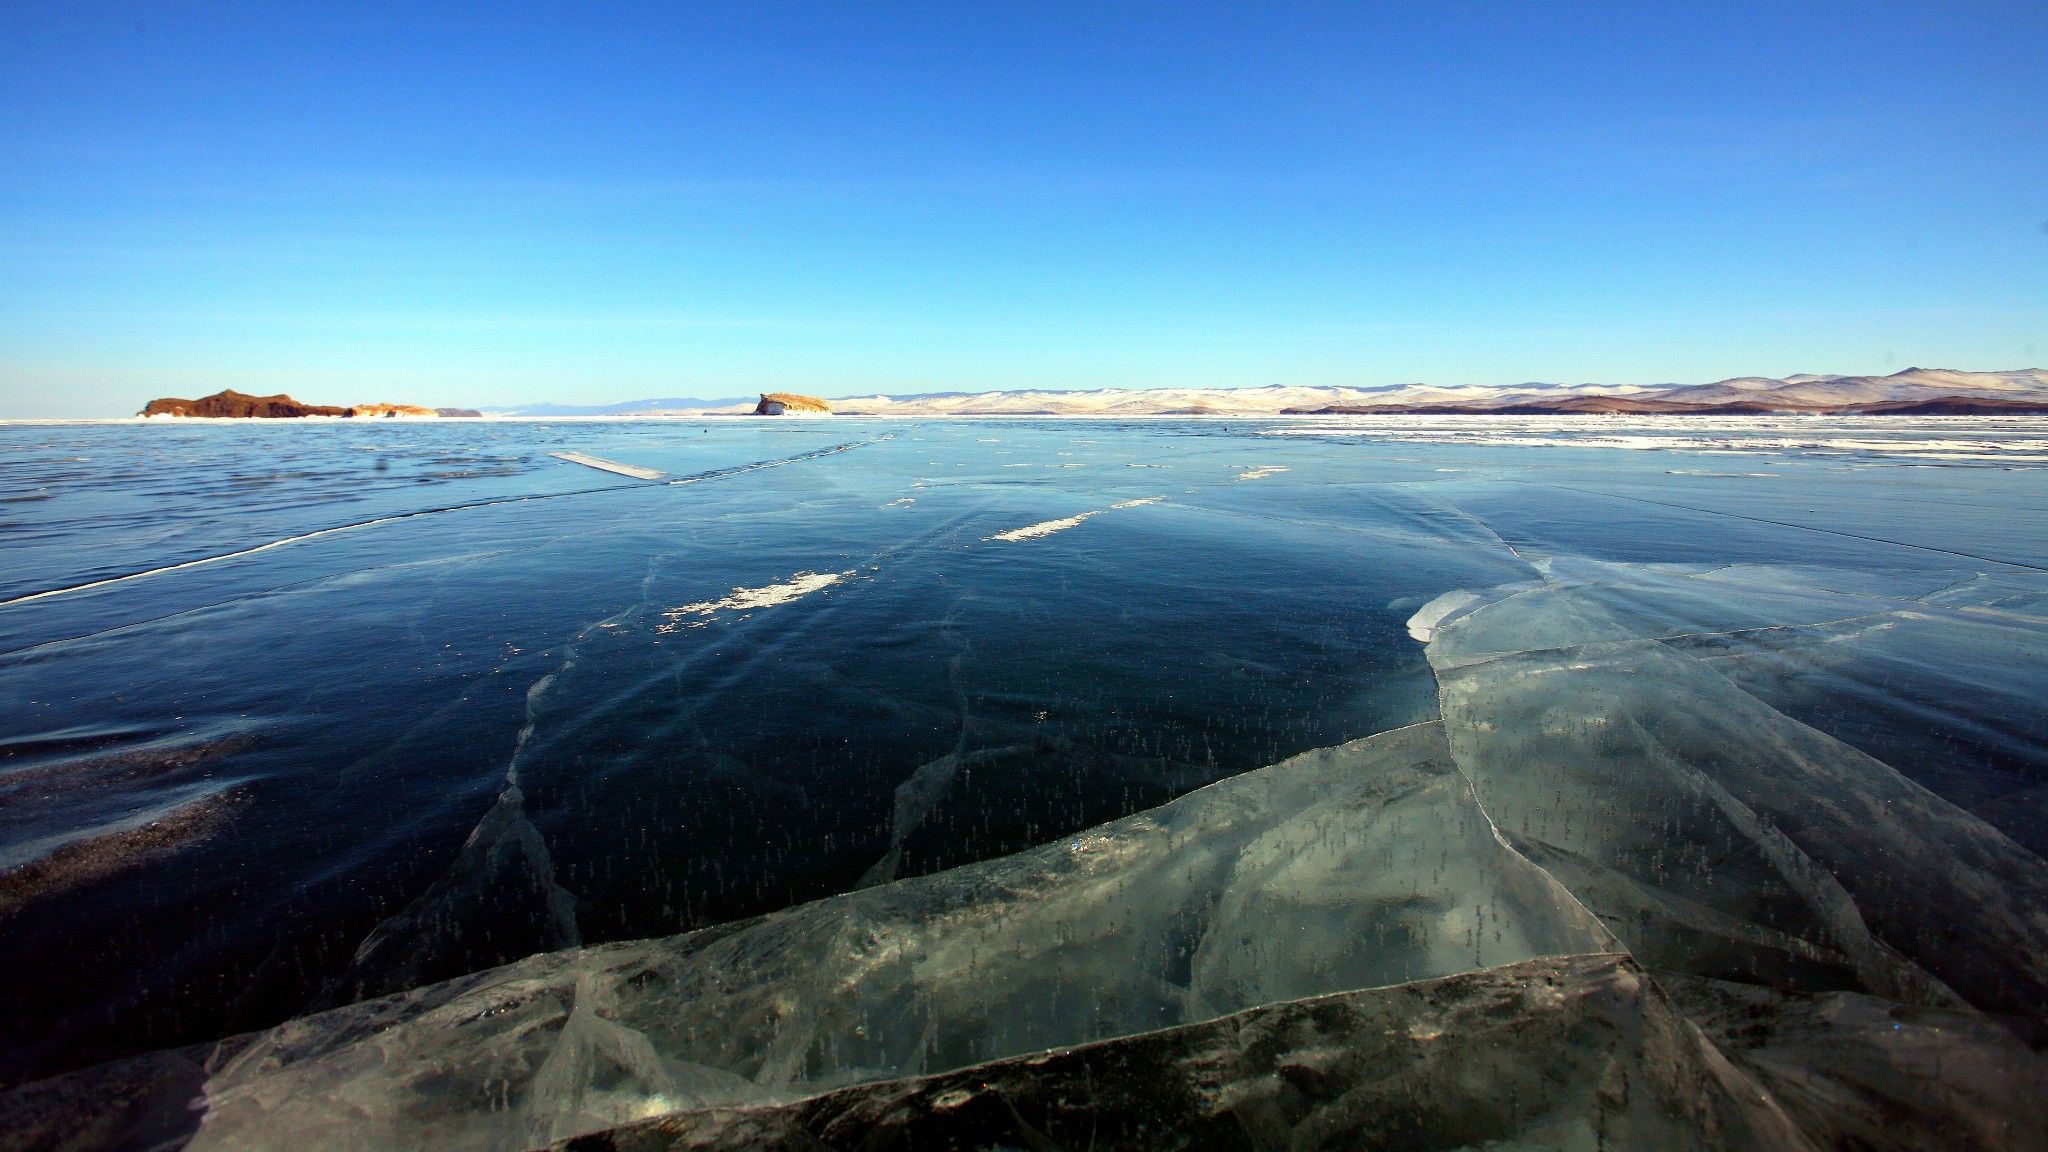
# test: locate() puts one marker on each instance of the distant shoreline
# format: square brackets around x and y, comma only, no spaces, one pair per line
[1569,417]
[1910,392]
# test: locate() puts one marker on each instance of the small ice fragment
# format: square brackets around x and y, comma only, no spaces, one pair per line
[1422,625]
[602,464]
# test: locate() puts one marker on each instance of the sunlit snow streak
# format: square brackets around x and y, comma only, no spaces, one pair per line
[748,599]
[317,533]
[1048,527]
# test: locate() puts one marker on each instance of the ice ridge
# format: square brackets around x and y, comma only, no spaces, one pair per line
[1251,891]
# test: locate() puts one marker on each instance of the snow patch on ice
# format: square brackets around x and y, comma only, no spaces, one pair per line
[749,599]
[1048,527]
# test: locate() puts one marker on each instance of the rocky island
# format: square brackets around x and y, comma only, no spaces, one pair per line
[777,403]
[230,404]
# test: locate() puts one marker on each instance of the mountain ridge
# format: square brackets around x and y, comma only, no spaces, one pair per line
[1909,391]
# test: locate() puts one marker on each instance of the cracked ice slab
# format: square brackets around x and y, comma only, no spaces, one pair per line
[1579,1052]
[1717,836]
[1363,865]
[1858,1072]
[1949,697]
[1581,601]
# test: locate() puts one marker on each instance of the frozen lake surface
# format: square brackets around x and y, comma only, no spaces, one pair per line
[882,748]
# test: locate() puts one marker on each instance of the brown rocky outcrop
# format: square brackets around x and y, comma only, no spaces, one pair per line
[777,403]
[230,403]
[393,410]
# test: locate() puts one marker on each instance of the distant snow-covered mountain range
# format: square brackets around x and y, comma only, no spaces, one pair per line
[1915,391]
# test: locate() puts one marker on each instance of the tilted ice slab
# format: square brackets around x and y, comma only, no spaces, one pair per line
[1855,1071]
[1713,834]
[1580,1052]
[1360,866]
[1947,689]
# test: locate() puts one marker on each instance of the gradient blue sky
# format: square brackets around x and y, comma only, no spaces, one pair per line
[505,203]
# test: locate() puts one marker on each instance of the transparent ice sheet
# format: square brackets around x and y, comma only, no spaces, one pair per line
[1796,772]
[1360,866]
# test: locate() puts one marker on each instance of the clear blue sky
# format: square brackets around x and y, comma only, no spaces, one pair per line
[583,202]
